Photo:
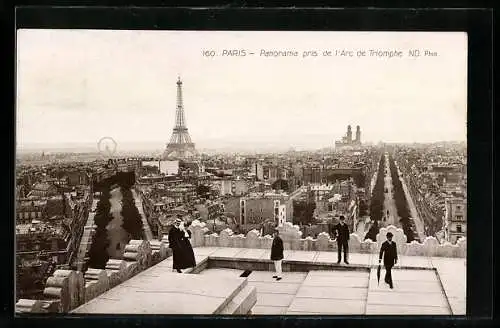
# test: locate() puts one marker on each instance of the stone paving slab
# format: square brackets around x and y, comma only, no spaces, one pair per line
[411,275]
[448,263]
[272,299]
[272,287]
[326,257]
[401,285]
[415,261]
[326,306]
[266,255]
[363,274]
[167,263]
[226,252]
[359,259]
[405,310]
[319,292]
[336,280]
[251,253]
[453,275]
[269,310]
[200,258]
[458,306]
[453,286]
[167,294]
[353,259]
[184,283]
[301,256]
[267,276]
[393,297]
[410,286]
[416,292]
[221,273]
[205,250]
[298,313]
[159,303]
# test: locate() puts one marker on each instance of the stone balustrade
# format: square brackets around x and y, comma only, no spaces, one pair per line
[27,306]
[159,251]
[96,283]
[292,240]
[65,290]
[68,287]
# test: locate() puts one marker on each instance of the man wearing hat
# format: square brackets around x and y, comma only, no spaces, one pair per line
[341,231]
[277,254]
[390,254]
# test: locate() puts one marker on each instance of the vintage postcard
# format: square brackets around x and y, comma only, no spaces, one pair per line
[241,173]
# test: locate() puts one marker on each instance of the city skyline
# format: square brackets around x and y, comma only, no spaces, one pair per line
[78,86]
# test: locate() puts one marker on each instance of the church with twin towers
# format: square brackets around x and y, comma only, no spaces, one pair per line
[347,140]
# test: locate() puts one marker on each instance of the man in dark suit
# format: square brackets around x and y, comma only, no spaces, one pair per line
[342,234]
[390,254]
[277,254]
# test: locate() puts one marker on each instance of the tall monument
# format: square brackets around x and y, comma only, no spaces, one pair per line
[180,145]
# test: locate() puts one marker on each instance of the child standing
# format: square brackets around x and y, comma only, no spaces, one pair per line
[277,254]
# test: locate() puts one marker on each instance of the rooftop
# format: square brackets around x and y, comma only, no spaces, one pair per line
[234,276]
[423,285]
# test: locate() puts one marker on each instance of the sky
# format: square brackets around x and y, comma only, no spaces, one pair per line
[77,86]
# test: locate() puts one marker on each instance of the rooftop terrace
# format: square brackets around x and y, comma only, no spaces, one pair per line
[233,276]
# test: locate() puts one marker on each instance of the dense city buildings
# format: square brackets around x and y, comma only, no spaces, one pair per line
[455,219]
[81,210]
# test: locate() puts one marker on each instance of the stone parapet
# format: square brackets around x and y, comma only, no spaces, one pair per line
[116,272]
[29,306]
[67,287]
[159,251]
[198,230]
[292,240]
[138,251]
[66,290]
[37,306]
[96,283]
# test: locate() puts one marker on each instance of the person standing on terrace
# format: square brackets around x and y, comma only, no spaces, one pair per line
[277,254]
[390,254]
[178,239]
[341,231]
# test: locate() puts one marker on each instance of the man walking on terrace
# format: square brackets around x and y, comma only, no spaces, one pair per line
[390,254]
[341,231]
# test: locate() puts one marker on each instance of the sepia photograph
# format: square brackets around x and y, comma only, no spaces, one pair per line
[240,172]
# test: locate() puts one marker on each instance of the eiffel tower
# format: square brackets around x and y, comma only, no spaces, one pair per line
[180,145]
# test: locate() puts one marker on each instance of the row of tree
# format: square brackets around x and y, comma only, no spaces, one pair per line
[132,220]
[377,201]
[98,254]
[401,202]
[132,223]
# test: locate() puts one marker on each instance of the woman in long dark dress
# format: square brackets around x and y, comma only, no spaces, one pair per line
[178,239]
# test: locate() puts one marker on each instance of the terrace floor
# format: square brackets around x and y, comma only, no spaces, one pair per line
[422,285]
